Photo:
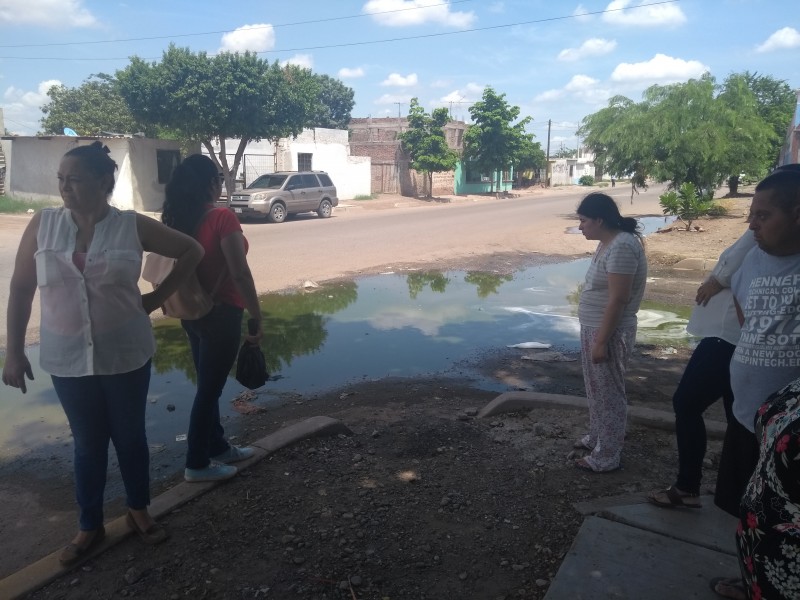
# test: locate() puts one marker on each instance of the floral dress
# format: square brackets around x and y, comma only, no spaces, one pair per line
[768,534]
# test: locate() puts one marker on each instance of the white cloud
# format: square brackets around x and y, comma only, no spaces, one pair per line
[454,96]
[783,39]
[474,89]
[548,96]
[659,69]
[440,83]
[23,110]
[591,47]
[348,73]
[397,80]
[255,38]
[49,13]
[394,99]
[401,13]
[469,94]
[305,61]
[581,13]
[580,83]
[497,7]
[660,15]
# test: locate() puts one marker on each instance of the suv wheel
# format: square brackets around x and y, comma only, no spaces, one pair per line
[325,209]
[277,214]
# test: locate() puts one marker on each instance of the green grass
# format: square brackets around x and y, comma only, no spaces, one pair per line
[9,205]
[366,197]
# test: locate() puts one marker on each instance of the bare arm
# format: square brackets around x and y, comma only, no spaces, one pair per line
[157,237]
[20,300]
[235,257]
[619,294]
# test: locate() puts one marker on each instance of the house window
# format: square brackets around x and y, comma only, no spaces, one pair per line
[166,161]
[474,175]
[304,161]
[506,175]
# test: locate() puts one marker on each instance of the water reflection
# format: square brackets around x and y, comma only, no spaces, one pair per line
[405,324]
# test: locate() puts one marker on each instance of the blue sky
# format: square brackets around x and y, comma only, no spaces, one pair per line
[557,61]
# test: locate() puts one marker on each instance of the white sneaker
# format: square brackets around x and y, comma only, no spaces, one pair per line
[234,454]
[213,472]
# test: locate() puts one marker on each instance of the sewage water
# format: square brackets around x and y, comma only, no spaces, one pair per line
[394,324]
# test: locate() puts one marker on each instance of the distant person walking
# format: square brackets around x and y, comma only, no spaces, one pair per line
[96,337]
[214,339]
[607,310]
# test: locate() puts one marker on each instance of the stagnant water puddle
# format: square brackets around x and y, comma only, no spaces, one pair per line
[393,324]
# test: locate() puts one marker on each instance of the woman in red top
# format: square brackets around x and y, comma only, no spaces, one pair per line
[189,207]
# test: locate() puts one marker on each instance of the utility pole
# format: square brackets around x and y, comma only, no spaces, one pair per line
[547,165]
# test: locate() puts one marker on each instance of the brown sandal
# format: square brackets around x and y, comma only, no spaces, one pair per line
[72,552]
[155,534]
[675,498]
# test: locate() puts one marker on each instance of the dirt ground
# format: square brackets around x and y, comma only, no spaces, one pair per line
[423,500]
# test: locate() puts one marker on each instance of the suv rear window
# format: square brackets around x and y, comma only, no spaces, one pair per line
[272,182]
[325,180]
[309,181]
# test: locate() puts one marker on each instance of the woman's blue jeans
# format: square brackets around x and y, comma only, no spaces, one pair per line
[705,380]
[214,340]
[100,408]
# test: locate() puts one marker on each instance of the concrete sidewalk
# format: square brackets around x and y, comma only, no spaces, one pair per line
[630,549]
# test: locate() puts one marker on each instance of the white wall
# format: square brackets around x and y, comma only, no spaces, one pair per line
[330,150]
[32,165]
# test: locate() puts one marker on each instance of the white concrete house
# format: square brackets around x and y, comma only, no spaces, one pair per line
[314,149]
[568,171]
[144,167]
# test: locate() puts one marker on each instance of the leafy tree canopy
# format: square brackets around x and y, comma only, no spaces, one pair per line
[425,142]
[494,140]
[230,95]
[696,131]
[334,106]
[93,108]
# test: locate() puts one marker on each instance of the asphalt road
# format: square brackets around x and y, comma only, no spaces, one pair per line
[360,238]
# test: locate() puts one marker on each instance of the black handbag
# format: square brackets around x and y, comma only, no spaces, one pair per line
[251,365]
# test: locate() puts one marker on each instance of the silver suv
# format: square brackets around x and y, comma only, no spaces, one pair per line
[275,195]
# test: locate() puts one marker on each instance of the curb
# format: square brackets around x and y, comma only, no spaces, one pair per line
[47,569]
[658,419]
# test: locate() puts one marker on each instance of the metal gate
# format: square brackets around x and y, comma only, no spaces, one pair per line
[252,167]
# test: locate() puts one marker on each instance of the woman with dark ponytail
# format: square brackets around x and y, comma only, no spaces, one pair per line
[607,310]
[214,339]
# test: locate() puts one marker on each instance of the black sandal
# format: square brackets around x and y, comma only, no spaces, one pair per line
[675,498]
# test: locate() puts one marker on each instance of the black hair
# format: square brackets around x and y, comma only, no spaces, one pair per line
[188,193]
[95,157]
[602,206]
[785,182]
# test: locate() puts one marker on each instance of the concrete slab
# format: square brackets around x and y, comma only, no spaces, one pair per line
[613,561]
[709,527]
[519,400]
[47,569]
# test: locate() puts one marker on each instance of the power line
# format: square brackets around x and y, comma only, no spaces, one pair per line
[371,42]
[163,37]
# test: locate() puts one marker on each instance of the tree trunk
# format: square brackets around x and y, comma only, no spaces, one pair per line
[733,185]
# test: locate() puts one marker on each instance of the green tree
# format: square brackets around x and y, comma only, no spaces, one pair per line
[230,95]
[687,204]
[93,108]
[695,131]
[494,139]
[425,143]
[335,103]
[529,157]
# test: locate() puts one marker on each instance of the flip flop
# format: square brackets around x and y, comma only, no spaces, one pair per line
[675,498]
[731,582]
[583,465]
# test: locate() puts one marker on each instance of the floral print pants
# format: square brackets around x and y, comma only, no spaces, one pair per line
[605,391]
